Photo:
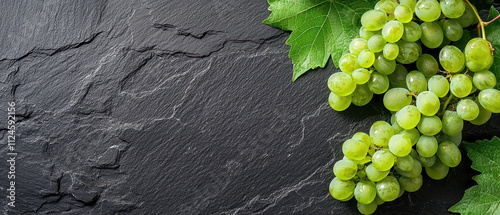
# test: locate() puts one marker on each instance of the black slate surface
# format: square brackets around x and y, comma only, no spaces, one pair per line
[176,107]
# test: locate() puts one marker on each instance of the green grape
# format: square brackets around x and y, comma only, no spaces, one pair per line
[432,34]
[437,171]
[408,52]
[341,84]
[374,174]
[384,66]
[362,95]
[361,76]
[467,109]
[405,163]
[392,31]
[378,83]
[403,14]
[427,162]
[467,18]
[478,55]
[365,192]
[415,171]
[474,88]
[484,80]
[373,20]
[414,135]
[429,125]
[490,100]
[483,117]
[462,42]
[340,189]
[453,8]
[439,85]
[388,188]
[357,45]
[376,43]
[396,98]
[391,51]
[348,63]
[396,128]
[416,81]
[365,34]
[378,200]
[339,103]
[383,160]
[428,10]
[387,6]
[449,154]
[363,137]
[428,103]
[367,208]
[460,85]
[354,149]
[366,58]
[412,32]
[427,146]
[457,139]
[427,65]
[452,59]
[345,169]
[414,153]
[408,117]
[452,123]
[452,30]
[381,132]
[410,3]
[400,145]
[398,77]
[411,184]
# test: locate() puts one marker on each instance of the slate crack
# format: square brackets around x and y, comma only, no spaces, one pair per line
[185,32]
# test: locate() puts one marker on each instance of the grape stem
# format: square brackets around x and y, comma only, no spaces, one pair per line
[446,103]
[481,23]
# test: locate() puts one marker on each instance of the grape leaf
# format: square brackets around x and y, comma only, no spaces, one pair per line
[493,35]
[320,29]
[483,198]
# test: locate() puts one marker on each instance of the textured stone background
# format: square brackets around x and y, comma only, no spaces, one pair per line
[176,107]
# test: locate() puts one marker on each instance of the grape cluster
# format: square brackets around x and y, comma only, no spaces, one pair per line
[429,104]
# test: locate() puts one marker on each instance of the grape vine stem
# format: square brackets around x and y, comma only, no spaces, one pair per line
[446,103]
[481,23]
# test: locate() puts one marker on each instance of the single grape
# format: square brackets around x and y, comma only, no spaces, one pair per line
[408,52]
[383,160]
[410,3]
[413,133]
[484,80]
[357,45]
[416,81]
[414,154]
[340,189]
[452,123]
[438,85]
[339,103]
[383,65]
[432,34]
[378,83]
[405,163]
[366,209]
[457,139]
[362,95]
[460,85]
[376,43]
[403,14]
[467,18]
[381,132]
[415,171]
[437,171]
[452,30]
[449,154]
[391,51]
[429,125]
[408,117]
[392,31]
[467,109]
[373,20]
[387,6]
[428,103]
[365,192]
[396,98]
[398,77]
[427,146]
[411,184]
[374,174]
[483,117]
[490,100]
[348,63]
[452,59]
[400,145]
[427,65]
[428,10]
[345,169]
[427,162]
[354,149]
[478,55]
[453,8]
[365,34]
[366,58]
[361,76]
[363,137]
[388,188]
[412,32]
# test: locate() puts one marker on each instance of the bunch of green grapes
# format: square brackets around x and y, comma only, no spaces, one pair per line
[429,104]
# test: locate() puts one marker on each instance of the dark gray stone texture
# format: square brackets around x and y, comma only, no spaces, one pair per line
[176,107]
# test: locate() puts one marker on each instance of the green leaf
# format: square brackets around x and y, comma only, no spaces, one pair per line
[483,198]
[493,35]
[320,29]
